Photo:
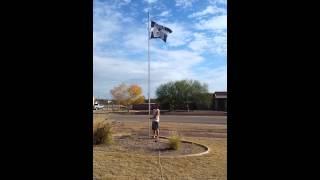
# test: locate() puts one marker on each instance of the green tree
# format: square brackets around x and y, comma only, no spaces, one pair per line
[183,94]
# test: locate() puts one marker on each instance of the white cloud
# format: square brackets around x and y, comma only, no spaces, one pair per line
[166,65]
[106,23]
[180,35]
[110,69]
[181,57]
[172,65]
[200,42]
[146,9]
[215,44]
[184,3]
[136,40]
[219,44]
[103,32]
[216,78]
[150,1]
[123,2]
[108,27]
[109,72]
[214,23]
[209,10]
[220,2]
[165,13]
[154,6]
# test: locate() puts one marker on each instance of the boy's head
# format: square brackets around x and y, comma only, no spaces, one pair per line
[156,106]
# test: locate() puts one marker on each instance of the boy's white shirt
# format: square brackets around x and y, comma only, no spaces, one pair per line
[158,116]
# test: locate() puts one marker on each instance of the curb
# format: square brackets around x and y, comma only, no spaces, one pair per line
[188,155]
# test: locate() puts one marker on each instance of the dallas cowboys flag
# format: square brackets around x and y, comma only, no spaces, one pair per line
[158,31]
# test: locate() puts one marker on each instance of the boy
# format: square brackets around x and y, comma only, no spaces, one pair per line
[155,122]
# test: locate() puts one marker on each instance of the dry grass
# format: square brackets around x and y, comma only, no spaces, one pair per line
[174,140]
[129,166]
[102,132]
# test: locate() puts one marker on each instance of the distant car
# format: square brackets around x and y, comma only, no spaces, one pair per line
[98,106]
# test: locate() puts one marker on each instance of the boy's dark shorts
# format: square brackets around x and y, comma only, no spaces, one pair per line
[155,125]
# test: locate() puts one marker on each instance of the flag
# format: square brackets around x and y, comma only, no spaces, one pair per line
[158,31]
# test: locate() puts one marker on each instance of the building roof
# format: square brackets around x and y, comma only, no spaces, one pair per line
[220,94]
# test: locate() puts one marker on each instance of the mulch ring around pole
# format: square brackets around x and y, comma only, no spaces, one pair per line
[143,145]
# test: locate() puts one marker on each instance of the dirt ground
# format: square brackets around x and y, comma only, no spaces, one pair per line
[126,165]
[144,145]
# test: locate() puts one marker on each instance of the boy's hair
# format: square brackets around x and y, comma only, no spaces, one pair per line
[156,106]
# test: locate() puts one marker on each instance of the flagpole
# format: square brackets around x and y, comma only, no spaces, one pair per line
[149,71]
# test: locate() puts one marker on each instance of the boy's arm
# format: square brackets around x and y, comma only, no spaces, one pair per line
[154,115]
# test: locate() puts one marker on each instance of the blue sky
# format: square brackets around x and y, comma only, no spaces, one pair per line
[196,49]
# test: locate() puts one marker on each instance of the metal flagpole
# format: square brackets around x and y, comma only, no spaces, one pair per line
[149,71]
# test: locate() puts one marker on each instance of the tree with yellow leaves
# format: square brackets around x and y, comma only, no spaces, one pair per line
[126,96]
[135,94]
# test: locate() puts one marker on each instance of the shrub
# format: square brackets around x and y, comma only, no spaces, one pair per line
[102,133]
[174,141]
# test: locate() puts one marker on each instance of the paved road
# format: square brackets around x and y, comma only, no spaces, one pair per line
[173,118]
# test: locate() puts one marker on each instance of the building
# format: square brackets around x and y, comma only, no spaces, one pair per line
[144,106]
[219,101]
